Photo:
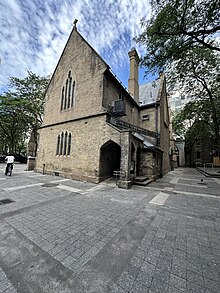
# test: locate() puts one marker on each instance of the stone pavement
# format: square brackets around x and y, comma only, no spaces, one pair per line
[60,235]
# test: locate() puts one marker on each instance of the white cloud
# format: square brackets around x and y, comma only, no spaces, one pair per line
[34,33]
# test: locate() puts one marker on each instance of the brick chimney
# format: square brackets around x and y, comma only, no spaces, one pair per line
[133,85]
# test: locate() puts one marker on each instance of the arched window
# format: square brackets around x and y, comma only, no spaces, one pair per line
[65,143]
[62,98]
[58,145]
[73,94]
[66,91]
[69,144]
[69,93]
[61,144]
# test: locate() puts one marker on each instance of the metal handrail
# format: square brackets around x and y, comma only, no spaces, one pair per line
[206,165]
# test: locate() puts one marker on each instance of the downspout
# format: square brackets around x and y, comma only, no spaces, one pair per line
[156,123]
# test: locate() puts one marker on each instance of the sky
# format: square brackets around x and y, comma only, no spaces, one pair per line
[33,34]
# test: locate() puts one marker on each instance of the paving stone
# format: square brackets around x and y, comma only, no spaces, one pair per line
[175,290]
[212,285]
[164,276]
[164,265]
[132,270]
[178,282]
[180,249]
[195,288]
[152,256]
[157,286]
[144,278]
[139,288]
[179,270]
[117,289]
[126,281]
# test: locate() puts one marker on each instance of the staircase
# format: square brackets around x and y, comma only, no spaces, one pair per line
[142,181]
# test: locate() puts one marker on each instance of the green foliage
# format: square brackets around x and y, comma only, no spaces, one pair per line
[31,90]
[198,110]
[180,38]
[177,26]
[21,111]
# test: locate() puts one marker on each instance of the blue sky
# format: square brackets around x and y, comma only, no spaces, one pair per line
[34,32]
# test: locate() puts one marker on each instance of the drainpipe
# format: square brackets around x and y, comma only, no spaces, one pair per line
[156,122]
[43,169]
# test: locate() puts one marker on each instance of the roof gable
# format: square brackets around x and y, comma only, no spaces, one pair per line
[75,31]
[148,92]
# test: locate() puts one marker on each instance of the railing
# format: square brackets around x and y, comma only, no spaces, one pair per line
[198,164]
[118,174]
[126,125]
[208,165]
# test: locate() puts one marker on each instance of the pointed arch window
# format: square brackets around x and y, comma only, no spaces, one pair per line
[69,144]
[68,93]
[63,144]
[73,94]
[62,98]
[58,145]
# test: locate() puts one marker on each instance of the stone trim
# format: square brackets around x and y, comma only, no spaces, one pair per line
[73,120]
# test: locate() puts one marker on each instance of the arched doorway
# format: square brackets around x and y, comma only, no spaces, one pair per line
[110,158]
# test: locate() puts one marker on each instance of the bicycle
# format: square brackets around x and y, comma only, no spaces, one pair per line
[9,170]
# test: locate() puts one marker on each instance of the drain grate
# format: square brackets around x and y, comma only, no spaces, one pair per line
[49,184]
[6,200]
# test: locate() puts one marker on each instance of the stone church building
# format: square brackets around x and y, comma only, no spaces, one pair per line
[93,126]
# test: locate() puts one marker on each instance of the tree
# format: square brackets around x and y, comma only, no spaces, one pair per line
[13,122]
[198,75]
[22,108]
[177,26]
[180,39]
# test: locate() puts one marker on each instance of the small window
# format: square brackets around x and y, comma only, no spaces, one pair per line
[146,117]
[120,97]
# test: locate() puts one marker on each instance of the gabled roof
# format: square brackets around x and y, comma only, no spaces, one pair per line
[145,141]
[74,30]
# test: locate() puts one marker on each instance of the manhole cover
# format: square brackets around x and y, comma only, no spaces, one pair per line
[6,200]
[50,184]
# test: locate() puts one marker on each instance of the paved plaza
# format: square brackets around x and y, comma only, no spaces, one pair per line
[63,236]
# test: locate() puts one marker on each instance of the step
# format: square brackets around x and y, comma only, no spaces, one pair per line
[141,178]
[143,183]
[208,174]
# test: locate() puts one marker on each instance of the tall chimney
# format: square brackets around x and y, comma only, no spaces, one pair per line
[133,86]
